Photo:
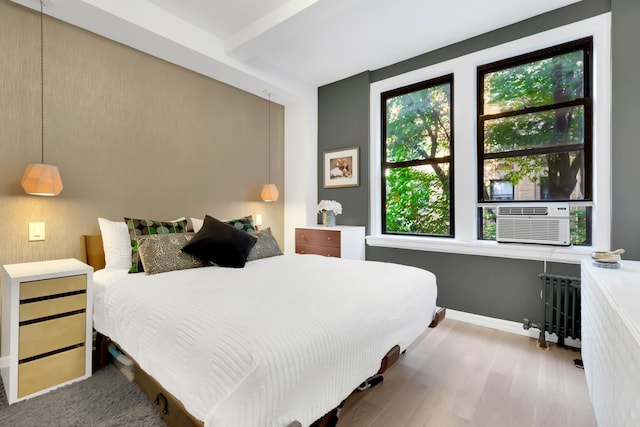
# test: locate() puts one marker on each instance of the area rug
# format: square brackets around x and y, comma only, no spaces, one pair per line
[105,399]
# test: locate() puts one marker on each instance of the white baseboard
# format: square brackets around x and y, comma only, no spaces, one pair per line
[506,326]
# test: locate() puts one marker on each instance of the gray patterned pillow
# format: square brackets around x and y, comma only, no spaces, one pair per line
[143,227]
[160,253]
[266,246]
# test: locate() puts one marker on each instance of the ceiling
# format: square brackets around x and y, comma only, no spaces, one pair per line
[289,47]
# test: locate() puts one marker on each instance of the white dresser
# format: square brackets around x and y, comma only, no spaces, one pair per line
[46,326]
[611,341]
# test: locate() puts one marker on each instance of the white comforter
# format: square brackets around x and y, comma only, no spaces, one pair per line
[283,339]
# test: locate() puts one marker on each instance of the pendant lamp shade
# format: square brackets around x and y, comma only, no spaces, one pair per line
[269,193]
[40,179]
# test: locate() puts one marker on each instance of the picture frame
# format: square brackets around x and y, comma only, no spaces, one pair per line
[342,168]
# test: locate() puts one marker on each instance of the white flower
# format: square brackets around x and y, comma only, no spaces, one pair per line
[329,205]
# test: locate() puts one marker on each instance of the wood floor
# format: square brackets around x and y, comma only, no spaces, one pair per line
[459,374]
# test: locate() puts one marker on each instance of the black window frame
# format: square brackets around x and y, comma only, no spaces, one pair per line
[426,84]
[584,44]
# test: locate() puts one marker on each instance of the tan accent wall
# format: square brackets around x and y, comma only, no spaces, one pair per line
[132,135]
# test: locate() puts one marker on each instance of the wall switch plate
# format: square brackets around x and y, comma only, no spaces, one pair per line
[36,231]
[258,220]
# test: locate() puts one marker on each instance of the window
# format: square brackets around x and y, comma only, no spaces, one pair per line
[474,215]
[535,133]
[417,159]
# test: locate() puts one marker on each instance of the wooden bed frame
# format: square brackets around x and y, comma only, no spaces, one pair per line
[169,407]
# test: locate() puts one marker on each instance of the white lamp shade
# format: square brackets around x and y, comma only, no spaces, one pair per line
[269,193]
[41,180]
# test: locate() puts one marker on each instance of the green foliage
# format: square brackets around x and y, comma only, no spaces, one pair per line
[578,226]
[540,83]
[488,223]
[418,128]
[416,202]
[418,125]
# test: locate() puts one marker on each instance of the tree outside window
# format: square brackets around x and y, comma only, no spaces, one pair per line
[417,159]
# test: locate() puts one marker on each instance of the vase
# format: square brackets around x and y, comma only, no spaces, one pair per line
[328,218]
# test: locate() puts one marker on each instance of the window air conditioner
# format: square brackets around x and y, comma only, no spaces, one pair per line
[542,224]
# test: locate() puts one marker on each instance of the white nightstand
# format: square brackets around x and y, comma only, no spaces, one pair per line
[342,241]
[46,326]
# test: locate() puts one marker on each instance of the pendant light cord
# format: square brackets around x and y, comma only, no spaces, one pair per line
[41,82]
[269,130]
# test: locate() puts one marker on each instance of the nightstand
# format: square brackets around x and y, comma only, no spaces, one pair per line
[342,241]
[46,326]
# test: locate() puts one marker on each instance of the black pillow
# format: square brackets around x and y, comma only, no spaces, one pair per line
[220,244]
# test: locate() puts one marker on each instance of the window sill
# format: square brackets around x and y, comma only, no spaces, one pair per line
[563,254]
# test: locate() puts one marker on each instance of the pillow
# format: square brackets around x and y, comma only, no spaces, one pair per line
[116,244]
[197,224]
[220,243]
[161,252]
[141,227]
[244,223]
[266,246]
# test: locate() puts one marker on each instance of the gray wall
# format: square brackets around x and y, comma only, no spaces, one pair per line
[495,287]
[343,121]
[626,126]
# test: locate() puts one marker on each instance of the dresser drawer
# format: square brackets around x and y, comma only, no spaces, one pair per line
[47,287]
[53,306]
[318,250]
[43,373]
[307,236]
[43,337]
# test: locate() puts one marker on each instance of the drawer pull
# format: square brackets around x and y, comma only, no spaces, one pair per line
[301,252]
[328,238]
[302,235]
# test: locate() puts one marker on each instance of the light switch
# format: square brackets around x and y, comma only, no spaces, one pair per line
[258,220]
[36,231]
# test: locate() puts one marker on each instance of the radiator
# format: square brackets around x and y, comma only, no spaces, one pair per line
[561,308]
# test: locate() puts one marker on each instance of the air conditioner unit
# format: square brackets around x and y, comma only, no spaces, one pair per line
[542,224]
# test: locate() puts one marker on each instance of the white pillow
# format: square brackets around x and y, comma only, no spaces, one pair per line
[197,224]
[116,243]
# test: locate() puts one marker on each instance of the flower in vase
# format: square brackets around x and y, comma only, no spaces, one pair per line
[329,206]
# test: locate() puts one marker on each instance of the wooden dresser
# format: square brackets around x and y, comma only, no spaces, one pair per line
[46,326]
[340,241]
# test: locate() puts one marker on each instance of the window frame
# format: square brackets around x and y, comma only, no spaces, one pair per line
[464,69]
[385,164]
[586,101]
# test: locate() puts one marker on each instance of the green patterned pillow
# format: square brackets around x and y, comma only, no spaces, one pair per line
[242,224]
[160,253]
[266,246]
[142,227]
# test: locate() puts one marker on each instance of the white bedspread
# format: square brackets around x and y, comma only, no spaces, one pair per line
[285,338]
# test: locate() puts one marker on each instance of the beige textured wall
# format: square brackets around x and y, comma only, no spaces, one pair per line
[131,134]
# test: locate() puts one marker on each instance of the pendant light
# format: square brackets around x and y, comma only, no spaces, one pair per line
[269,191]
[41,179]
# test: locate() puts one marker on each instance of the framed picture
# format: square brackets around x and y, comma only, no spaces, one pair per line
[341,168]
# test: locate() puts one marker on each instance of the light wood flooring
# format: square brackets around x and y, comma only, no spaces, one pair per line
[459,374]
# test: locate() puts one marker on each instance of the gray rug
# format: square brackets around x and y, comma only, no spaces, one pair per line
[105,399]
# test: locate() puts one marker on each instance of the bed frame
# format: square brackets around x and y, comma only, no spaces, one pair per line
[169,407]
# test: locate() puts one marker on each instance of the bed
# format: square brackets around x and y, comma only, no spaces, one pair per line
[280,342]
